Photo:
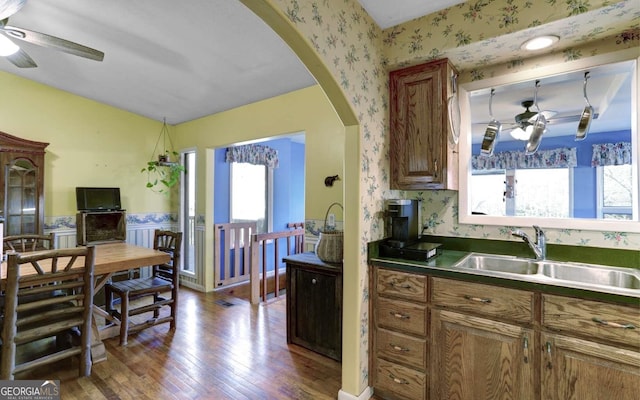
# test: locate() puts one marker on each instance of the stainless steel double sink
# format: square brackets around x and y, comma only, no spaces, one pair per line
[602,278]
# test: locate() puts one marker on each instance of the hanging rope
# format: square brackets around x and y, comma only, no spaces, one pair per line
[164,134]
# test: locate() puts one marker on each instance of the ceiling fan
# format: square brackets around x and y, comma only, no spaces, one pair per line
[19,57]
[526,118]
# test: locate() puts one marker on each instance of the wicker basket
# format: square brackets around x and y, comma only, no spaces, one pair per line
[330,245]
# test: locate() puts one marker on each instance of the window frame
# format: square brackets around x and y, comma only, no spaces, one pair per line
[601,209]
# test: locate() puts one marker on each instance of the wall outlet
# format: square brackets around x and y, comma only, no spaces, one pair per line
[331,220]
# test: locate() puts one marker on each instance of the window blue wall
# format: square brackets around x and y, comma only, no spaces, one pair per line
[288,191]
[288,181]
[584,176]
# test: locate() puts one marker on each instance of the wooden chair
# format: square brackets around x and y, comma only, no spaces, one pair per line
[24,243]
[29,242]
[164,278]
[47,293]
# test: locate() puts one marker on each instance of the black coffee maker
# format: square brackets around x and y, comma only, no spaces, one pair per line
[403,233]
[402,222]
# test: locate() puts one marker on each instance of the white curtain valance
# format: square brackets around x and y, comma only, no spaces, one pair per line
[555,158]
[611,154]
[253,154]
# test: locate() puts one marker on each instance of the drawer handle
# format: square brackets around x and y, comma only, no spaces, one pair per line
[399,380]
[314,281]
[612,324]
[398,348]
[477,299]
[399,315]
[401,285]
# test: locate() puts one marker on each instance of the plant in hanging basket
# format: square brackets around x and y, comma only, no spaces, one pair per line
[163,174]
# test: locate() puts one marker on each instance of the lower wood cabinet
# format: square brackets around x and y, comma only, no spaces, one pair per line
[587,370]
[590,349]
[436,338]
[314,304]
[400,335]
[477,358]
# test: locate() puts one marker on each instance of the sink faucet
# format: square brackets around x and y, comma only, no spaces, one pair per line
[540,245]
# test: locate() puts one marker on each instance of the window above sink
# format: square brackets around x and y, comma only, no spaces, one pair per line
[563,185]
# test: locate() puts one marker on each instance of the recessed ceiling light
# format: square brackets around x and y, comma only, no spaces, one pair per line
[540,42]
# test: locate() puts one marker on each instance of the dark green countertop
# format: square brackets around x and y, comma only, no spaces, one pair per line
[311,259]
[442,266]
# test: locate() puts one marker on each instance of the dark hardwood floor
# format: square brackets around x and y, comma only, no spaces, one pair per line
[219,351]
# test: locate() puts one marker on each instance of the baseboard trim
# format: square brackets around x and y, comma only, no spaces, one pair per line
[365,395]
[192,285]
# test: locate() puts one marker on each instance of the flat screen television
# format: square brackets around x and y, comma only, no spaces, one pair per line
[98,199]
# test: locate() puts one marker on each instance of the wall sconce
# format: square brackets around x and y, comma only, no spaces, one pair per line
[328,181]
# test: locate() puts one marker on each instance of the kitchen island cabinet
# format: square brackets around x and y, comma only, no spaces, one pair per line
[314,304]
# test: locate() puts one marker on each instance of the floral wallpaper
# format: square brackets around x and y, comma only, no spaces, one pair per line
[478,36]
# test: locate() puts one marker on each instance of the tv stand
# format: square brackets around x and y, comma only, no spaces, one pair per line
[101,226]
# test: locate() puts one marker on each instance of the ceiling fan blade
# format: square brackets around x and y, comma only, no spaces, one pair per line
[42,39]
[10,7]
[21,60]
[548,113]
[568,119]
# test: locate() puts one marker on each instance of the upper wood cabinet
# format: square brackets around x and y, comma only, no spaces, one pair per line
[422,156]
[22,184]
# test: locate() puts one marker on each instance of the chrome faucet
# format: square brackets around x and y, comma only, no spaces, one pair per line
[540,245]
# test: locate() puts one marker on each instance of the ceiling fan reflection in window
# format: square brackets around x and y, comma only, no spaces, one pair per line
[522,127]
[19,57]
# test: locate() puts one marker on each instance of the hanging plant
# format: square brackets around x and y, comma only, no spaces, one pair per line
[163,174]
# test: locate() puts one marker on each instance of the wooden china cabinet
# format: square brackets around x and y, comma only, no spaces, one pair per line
[22,183]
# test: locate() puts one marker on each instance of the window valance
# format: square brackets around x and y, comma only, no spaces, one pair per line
[253,154]
[611,154]
[554,158]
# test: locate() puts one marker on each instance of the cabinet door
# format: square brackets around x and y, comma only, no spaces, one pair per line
[23,197]
[477,358]
[574,369]
[316,316]
[21,184]
[419,126]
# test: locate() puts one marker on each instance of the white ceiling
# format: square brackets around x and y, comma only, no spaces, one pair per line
[609,90]
[168,59]
[185,60]
[391,13]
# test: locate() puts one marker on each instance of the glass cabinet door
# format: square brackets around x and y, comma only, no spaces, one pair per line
[21,197]
[22,169]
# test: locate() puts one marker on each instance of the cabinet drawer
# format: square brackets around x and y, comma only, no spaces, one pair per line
[402,316]
[511,304]
[399,380]
[401,348]
[402,285]
[594,319]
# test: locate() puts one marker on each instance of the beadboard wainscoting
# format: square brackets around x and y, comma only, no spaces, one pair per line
[140,230]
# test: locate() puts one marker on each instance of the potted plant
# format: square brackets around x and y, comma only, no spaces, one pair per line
[163,174]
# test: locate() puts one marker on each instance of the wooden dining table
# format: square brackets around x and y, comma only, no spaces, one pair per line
[109,259]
